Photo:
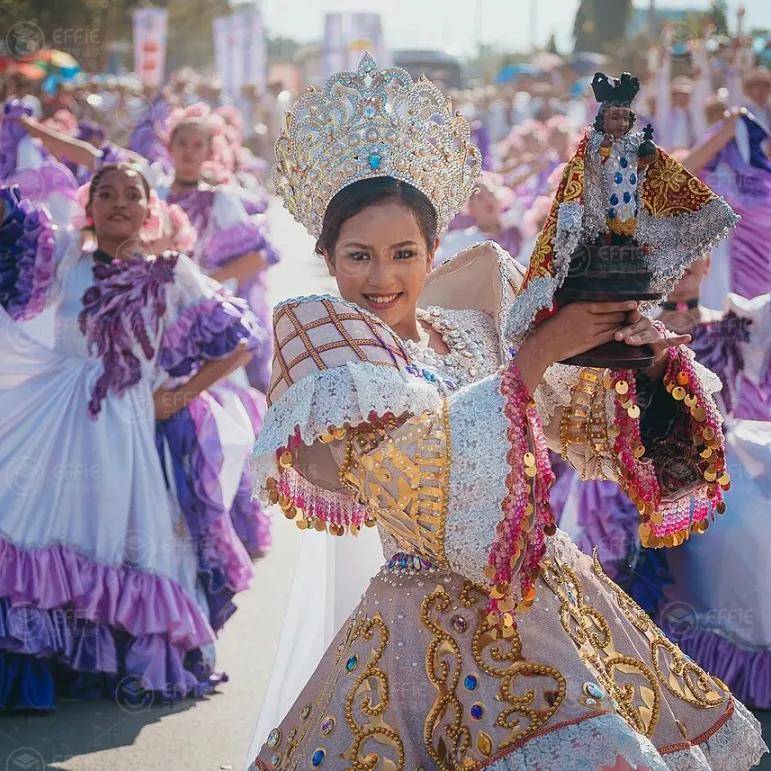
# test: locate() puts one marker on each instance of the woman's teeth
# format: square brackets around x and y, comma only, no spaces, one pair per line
[382,299]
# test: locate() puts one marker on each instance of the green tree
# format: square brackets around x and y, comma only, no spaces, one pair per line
[600,24]
[551,46]
[718,15]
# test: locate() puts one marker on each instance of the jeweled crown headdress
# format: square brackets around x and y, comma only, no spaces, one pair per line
[374,123]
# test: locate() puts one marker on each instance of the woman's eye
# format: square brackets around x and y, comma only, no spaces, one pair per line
[358,256]
[405,254]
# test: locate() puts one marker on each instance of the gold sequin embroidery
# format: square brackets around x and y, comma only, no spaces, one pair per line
[366,704]
[527,689]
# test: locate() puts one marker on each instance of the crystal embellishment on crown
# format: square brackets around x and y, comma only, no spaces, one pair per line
[374,123]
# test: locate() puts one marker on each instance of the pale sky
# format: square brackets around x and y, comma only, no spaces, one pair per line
[453,24]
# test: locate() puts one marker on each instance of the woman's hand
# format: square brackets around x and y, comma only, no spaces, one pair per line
[640,330]
[573,329]
[169,401]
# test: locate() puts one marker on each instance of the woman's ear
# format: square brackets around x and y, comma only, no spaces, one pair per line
[431,255]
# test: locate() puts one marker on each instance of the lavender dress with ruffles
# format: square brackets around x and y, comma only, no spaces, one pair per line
[101,593]
[746,185]
[215,248]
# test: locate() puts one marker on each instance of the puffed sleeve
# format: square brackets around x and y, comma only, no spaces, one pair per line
[203,322]
[662,442]
[234,231]
[27,255]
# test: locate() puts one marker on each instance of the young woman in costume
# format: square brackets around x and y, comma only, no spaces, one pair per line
[487,640]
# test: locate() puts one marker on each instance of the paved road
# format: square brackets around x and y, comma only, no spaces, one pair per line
[209,735]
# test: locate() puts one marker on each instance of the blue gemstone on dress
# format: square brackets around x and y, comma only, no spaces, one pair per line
[470,682]
[612,213]
[618,179]
[352,662]
[614,199]
[318,758]
[369,111]
[477,710]
[633,178]
[623,162]
[374,161]
[627,197]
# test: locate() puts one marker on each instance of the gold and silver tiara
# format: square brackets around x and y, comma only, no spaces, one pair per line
[374,123]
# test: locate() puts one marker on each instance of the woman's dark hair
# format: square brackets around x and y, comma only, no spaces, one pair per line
[357,196]
[108,167]
[600,117]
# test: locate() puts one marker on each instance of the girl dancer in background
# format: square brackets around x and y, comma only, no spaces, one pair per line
[734,158]
[717,608]
[117,565]
[230,245]
[487,215]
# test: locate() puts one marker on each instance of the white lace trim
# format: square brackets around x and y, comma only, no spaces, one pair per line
[334,397]
[477,485]
[735,746]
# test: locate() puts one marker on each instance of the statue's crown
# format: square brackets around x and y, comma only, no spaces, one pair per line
[374,123]
[617,90]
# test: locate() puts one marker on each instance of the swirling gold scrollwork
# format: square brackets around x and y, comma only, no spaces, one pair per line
[674,670]
[668,189]
[630,682]
[530,693]
[366,704]
[530,690]
[573,177]
[446,738]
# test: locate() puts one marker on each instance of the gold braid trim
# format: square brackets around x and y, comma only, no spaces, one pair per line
[628,681]
[679,675]
[527,689]
[369,696]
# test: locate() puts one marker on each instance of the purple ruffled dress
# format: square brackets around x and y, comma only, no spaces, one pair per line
[746,185]
[118,560]
[229,225]
[718,608]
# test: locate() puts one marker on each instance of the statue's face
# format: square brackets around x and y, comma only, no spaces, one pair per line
[616,120]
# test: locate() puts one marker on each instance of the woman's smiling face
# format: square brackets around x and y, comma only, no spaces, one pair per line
[380,262]
[119,205]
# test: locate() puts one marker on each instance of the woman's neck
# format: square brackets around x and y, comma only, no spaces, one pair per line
[119,248]
[409,329]
[185,184]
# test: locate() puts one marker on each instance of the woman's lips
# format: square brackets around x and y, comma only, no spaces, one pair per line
[382,302]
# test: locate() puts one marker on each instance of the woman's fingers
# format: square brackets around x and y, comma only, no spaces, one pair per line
[673,340]
[610,307]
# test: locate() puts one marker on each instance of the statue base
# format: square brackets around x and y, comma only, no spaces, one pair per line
[614,355]
[612,269]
